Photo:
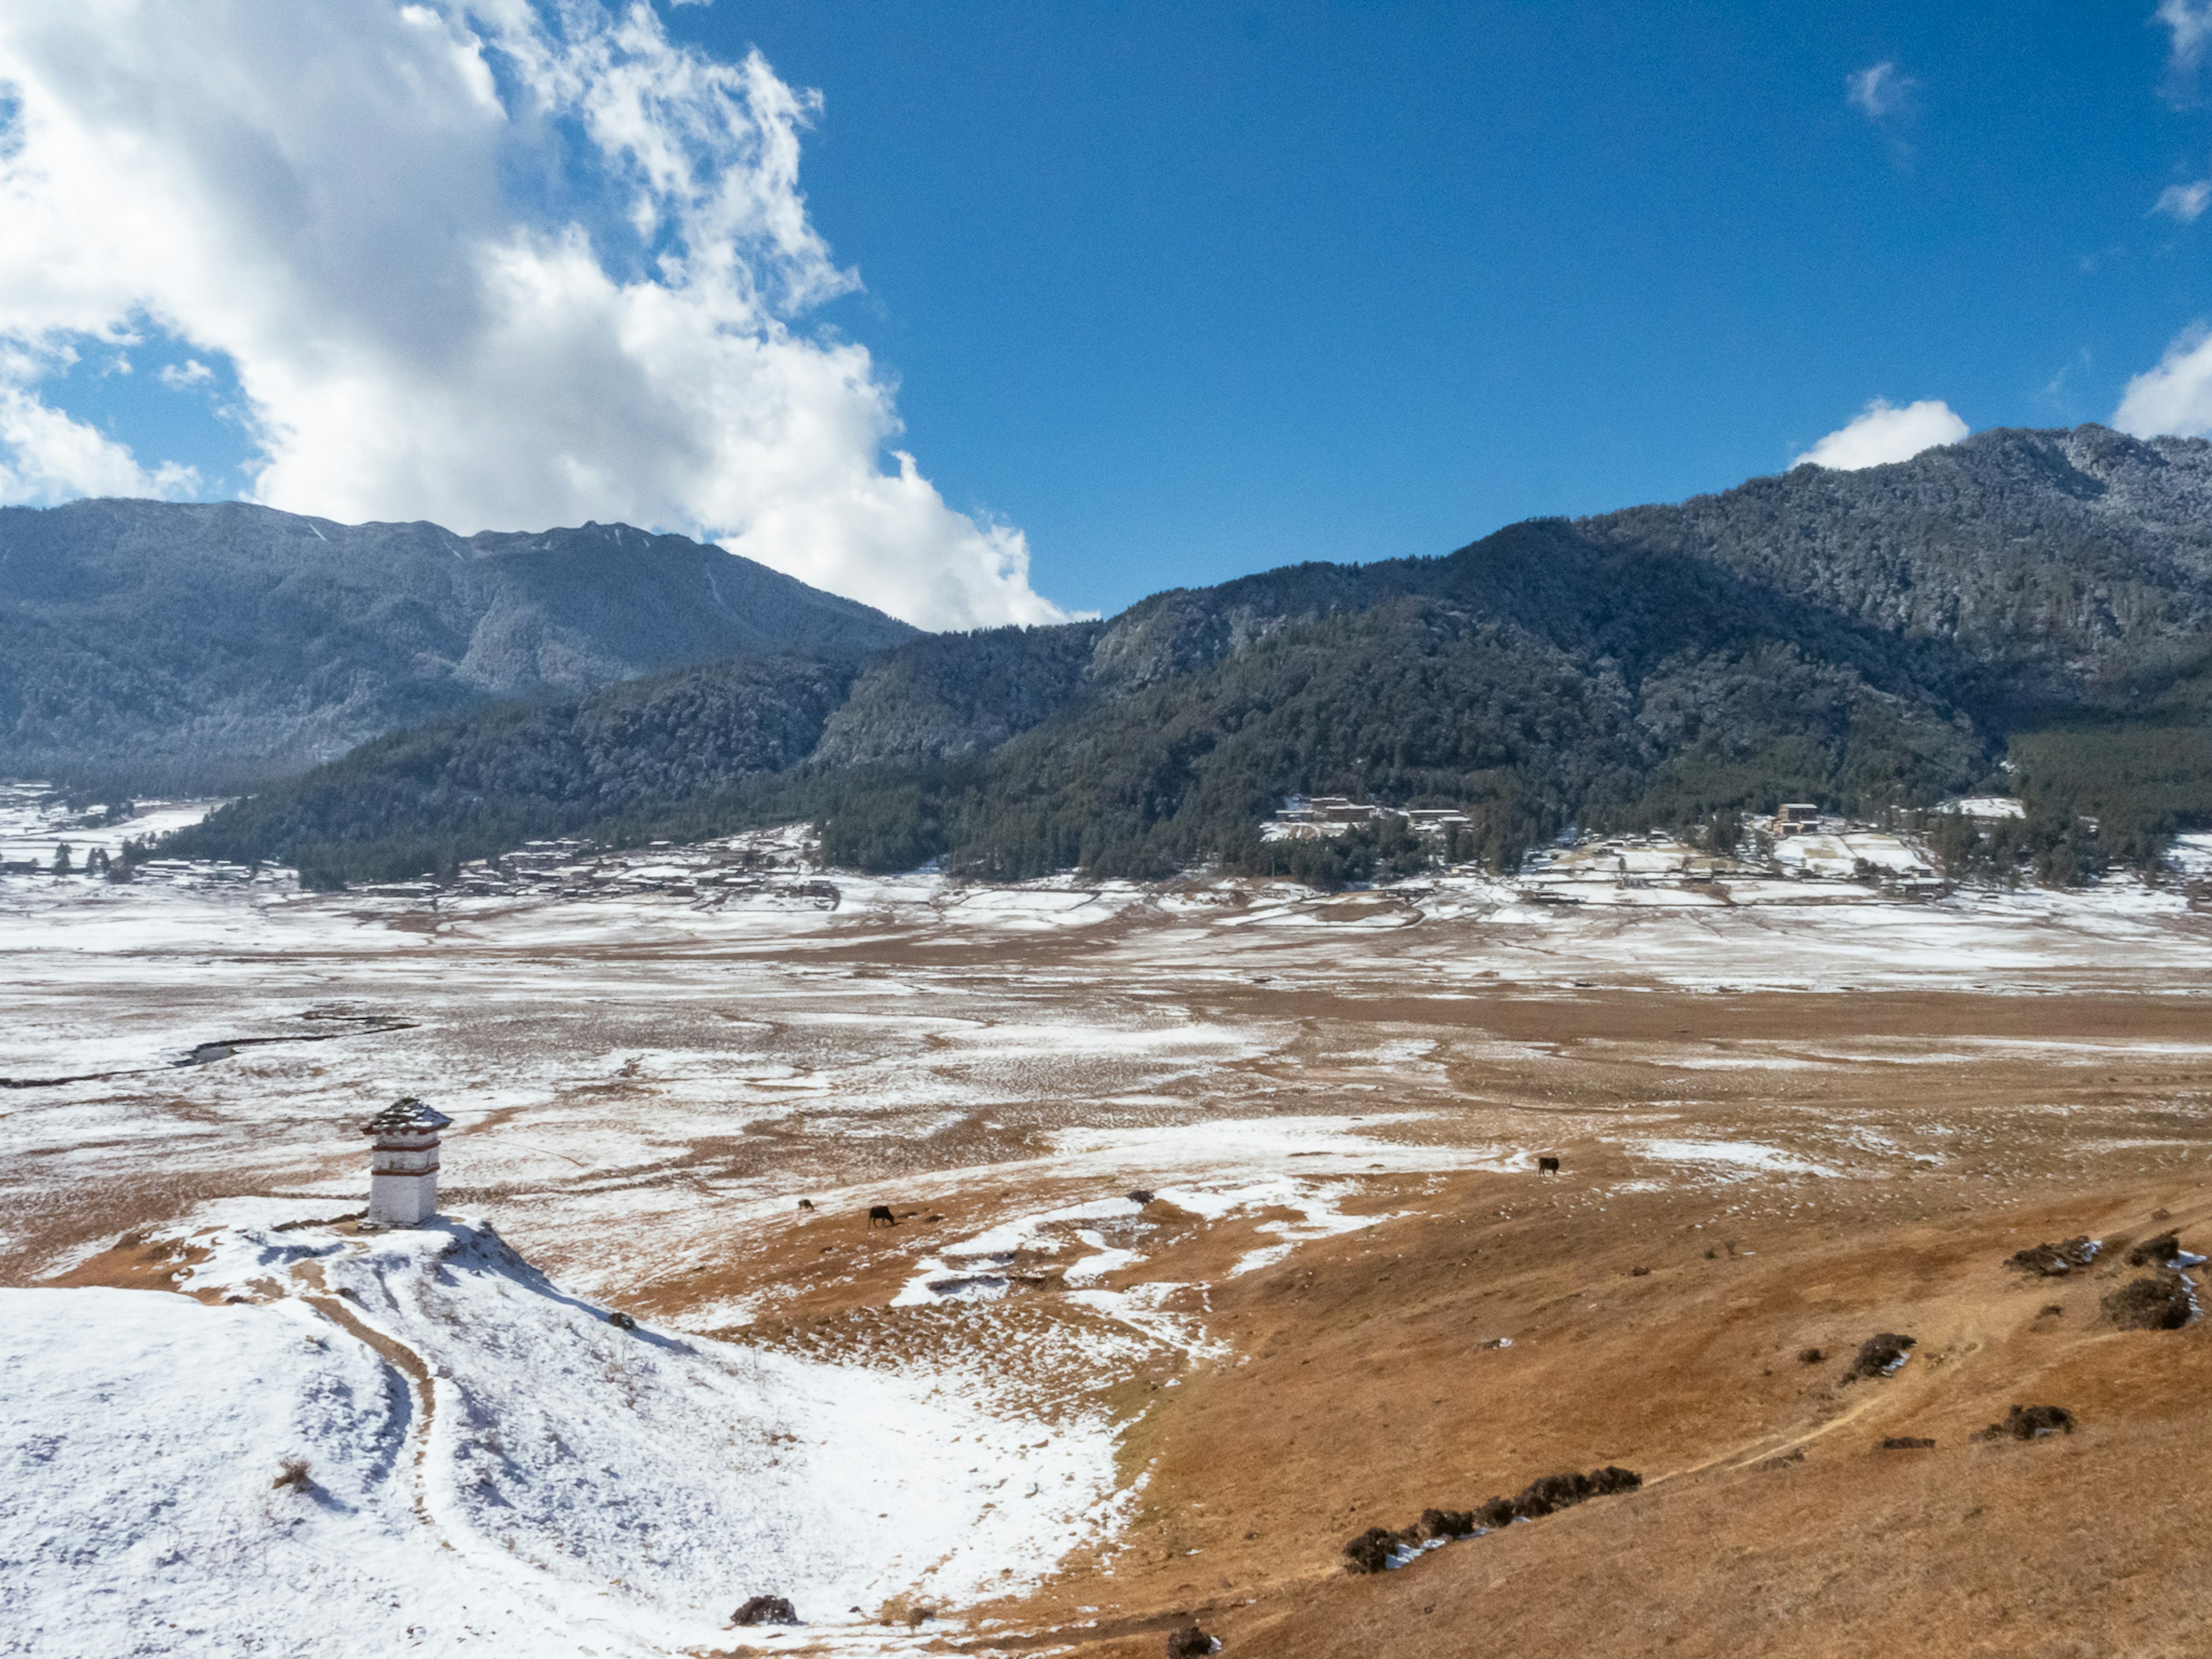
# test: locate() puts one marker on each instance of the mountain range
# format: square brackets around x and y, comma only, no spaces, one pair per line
[153,646]
[2040,601]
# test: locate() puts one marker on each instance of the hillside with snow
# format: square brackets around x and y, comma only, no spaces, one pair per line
[484,1457]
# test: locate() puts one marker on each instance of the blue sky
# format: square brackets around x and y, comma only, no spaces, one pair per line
[1177,292]
[1190,291]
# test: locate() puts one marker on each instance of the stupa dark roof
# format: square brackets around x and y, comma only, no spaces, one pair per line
[405,1116]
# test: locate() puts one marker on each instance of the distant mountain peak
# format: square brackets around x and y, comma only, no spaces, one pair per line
[210,644]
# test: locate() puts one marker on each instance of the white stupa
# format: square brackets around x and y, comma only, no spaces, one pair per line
[403,1179]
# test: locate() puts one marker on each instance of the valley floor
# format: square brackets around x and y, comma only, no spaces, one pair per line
[1219,1239]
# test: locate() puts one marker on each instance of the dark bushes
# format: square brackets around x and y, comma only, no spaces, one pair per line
[2030,1423]
[1372,1551]
[2055,1261]
[2156,1302]
[1879,1356]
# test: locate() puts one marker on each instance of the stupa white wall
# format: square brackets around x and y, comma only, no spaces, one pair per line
[403,1179]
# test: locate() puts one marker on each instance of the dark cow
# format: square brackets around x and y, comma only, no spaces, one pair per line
[1547,1166]
[766,1610]
[805,1203]
[881,1215]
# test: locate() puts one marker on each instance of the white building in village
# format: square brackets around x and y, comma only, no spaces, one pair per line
[1310,817]
[1988,809]
[403,1179]
[1796,818]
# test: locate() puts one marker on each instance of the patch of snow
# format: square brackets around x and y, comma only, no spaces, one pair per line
[1105,1258]
[2191,854]
[1746,1155]
[724,1313]
[1823,855]
[1143,1310]
[1046,1232]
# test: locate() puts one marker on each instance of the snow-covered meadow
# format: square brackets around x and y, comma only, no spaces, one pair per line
[649,1063]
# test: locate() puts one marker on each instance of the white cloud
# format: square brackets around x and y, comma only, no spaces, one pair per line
[497,265]
[179,377]
[45,456]
[1884,432]
[2186,202]
[2190,22]
[2176,396]
[1879,91]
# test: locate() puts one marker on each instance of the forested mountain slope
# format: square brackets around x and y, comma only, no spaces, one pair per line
[161,645]
[1868,639]
[2079,562]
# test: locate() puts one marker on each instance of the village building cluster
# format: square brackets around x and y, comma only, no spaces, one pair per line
[1311,818]
[773,868]
[1799,841]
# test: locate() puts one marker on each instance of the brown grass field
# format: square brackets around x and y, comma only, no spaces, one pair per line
[1771,1521]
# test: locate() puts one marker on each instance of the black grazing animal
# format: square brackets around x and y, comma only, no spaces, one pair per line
[1547,1166]
[805,1203]
[882,1213]
[766,1610]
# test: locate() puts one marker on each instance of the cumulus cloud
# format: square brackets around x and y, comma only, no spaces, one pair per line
[2174,396]
[1884,432]
[1879,91]
[181,377]
[494,264]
